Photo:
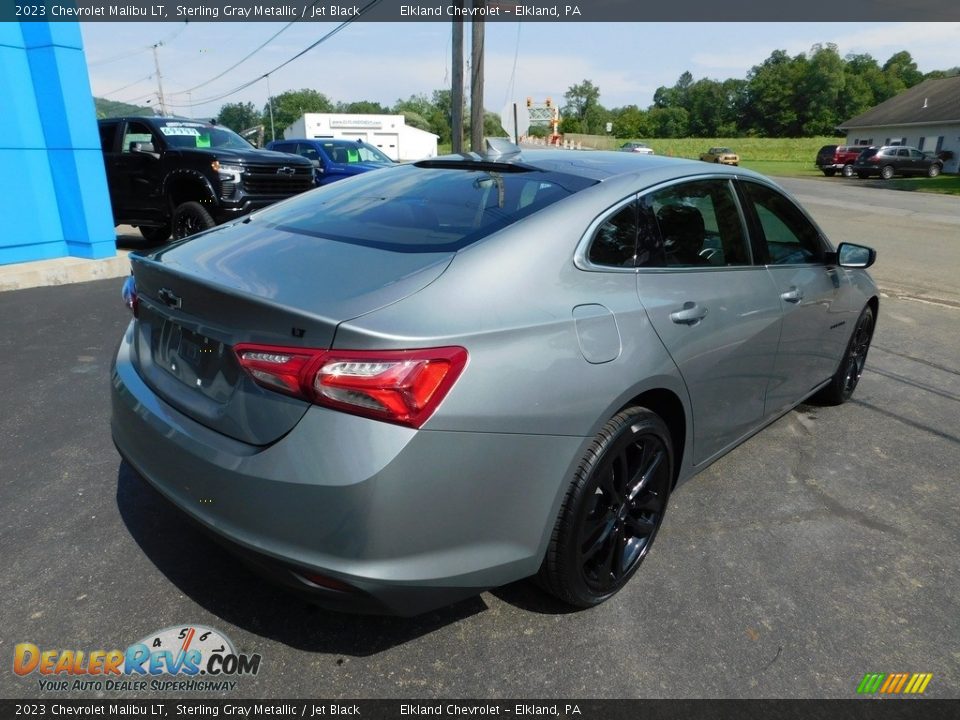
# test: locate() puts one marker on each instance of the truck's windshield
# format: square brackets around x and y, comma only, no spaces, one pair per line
[186,134]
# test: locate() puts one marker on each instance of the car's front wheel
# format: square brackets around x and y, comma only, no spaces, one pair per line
[190,218]
[886,172]
[612,510]
[847,171]
[933,170]
[845,380]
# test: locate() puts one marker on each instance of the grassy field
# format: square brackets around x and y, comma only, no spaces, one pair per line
[799,151]
[784,157]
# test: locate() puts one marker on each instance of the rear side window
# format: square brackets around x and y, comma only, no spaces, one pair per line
[422,209]
[614,242]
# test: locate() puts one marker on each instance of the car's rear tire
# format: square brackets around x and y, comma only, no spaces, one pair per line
[612,511]
[845,380]
[886,172]
[155,235]
[190,218]
[847,171]
[829,172]
[933,170]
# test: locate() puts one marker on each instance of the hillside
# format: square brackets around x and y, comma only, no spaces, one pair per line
[111,108]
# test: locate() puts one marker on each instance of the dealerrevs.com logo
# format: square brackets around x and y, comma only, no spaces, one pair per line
[180,658]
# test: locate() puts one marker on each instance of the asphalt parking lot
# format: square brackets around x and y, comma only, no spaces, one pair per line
[826,547]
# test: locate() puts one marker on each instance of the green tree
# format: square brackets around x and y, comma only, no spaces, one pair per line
[239,116]
[630,122]
[362,107]
[822,87]
[668,122]
[581,108]
[901,68]
[290,106]
[771,95]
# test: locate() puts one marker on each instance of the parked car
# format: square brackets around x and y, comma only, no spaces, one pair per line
[334,159]
[832,159]
[891,160]
[722,155]
[637,147]
[179,176]
[444,376]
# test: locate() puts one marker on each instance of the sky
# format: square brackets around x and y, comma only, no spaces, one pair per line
[385,62]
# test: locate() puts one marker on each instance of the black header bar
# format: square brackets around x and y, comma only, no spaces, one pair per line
[584,11]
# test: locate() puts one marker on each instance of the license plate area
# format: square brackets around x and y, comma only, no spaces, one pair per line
[195,360]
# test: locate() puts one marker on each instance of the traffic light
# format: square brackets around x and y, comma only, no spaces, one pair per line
[529,102]
[549,102]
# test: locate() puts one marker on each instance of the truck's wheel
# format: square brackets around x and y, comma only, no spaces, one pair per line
[155,235]
[190,218]
[848,170]
[933,170]
[829,172]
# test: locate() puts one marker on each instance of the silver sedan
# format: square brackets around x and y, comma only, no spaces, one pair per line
[412,385]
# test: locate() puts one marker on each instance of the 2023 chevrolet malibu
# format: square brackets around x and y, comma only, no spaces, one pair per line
[419,383]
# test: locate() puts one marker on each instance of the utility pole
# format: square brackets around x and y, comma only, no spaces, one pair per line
[456,94]
[476,80]
[156,62]
[273,135]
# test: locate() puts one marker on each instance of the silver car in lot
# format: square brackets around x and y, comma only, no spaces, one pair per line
[410,386]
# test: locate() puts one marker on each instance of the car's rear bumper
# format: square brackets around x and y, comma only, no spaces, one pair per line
[408,519]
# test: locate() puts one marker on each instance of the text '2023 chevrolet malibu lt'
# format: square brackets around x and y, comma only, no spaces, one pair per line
[416,384]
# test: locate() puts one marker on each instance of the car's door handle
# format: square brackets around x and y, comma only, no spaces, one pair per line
[793,295]
[690,315]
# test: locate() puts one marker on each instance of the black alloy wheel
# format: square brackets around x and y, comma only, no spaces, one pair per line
[190,218]
[845,381]
[612,511]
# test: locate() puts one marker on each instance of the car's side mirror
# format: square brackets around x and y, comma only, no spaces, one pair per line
[850,255]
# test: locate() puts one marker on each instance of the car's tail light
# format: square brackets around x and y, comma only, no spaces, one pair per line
[874,158]
[129,293]
[398,386]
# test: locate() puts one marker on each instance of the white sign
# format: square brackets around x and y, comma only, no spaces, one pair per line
[515,119]
[355,123]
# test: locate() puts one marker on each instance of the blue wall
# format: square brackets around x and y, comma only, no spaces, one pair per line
[53,190]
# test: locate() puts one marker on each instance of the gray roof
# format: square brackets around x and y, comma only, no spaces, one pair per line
[932,101]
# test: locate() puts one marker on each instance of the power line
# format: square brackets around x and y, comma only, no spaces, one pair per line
[240,62]
[148,77]
[282,65]
[139,51]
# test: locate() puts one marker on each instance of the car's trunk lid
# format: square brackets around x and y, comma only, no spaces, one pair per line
[250,284]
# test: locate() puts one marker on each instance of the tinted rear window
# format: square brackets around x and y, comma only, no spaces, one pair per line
[415,209]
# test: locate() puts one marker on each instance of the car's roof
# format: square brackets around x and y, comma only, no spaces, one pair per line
[321,141]
[594,165]
[164,118]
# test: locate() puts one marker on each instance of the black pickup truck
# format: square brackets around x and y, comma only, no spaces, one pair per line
[178,176]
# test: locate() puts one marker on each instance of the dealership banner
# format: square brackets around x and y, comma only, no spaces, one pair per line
[324,11]
[527,709]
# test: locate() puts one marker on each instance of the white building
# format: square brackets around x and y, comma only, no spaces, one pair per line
[389,133]
[927,116]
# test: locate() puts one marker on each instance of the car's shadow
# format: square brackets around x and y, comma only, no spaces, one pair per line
[223,585]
